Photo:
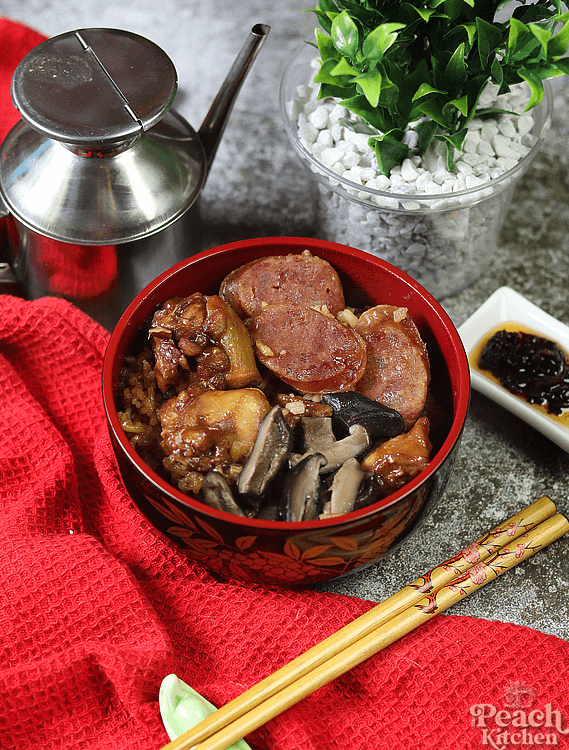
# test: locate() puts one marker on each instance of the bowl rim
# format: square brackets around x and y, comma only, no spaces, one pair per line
[288,245]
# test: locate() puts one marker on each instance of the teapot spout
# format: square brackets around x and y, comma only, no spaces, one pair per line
[216,119]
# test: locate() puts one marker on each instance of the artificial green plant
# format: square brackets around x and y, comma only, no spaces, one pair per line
[425,64]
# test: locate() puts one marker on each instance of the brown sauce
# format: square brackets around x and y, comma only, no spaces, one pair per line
[528,365]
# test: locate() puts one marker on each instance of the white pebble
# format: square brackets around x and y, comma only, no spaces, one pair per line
[384,202]
[381,182]
[308,132]
[337,113]
[339,168]
[325,139]
[472,159]
[367,173]
[471,141]
[506,127]
[310,107]
[350,159]
[489,130]
[525,124]
[506,163]
[462,167]
[502,147]
[353,175]
[409,170]
[337,131]
[396,178]
[485,148]
[422,180]
[472,181]
[330,156]
[361,142]
[319,118]
[411,138]
[441,176]
[432,188]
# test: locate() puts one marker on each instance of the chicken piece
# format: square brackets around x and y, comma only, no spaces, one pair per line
[185,332]
[214,431]
[401,458]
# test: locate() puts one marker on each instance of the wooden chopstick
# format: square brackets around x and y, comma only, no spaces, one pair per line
[380,626]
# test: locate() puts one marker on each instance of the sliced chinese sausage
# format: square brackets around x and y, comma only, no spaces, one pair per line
[294,280]
[397,372]
[308,350]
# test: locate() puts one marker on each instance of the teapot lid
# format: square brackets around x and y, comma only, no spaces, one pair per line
[94,87]
[99,156]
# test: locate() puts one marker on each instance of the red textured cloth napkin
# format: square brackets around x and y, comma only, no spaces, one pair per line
[96,607]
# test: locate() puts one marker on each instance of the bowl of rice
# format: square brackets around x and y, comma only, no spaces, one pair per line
[192,417]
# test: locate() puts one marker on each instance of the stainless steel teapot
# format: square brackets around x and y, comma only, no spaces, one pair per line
[101,177]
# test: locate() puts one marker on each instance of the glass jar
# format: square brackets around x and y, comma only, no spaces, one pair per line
[445,241]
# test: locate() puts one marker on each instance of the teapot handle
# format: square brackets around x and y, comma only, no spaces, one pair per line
[8,282]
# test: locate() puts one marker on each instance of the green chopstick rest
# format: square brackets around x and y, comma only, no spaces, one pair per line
[182,708]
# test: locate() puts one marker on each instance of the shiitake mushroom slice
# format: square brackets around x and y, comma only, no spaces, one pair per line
[217,493]
[351,407]
[271,449]
[303,489]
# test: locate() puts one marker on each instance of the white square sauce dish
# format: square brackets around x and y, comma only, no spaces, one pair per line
[507,306]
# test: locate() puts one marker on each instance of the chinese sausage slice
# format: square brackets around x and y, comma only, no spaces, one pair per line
[308,350]
[397,371]
[295,280]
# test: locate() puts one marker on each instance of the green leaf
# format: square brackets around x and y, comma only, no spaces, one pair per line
[497,73]
[378,41]
[489,38]
[426,130]
[371,84]
[535,85]
[336,92]
[389,150]
[433,107]
[471,31]
[455,71]
[453,143]
[521,42]
[345,35]
[461,104]
[559,43]
[343,68]
[328,6]
[425,89]
[542,35]
[378,117]
[325,46]
[323,20]
[424,13]
[563,65]
[325,74]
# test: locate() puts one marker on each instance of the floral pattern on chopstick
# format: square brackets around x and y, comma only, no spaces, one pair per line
[472,554]
[478,574]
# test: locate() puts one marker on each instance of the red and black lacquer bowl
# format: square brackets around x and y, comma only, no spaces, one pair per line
[300,553]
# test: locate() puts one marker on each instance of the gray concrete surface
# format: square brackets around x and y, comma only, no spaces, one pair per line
[258,188]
